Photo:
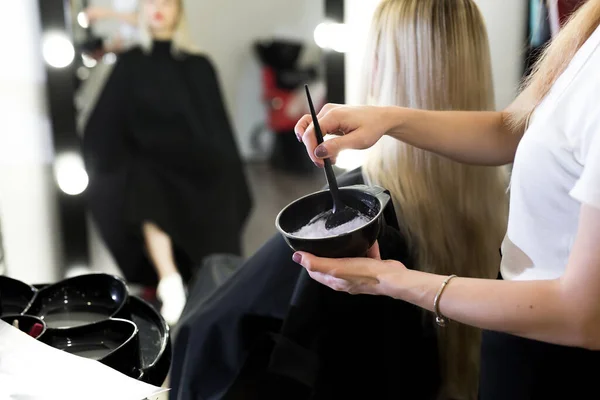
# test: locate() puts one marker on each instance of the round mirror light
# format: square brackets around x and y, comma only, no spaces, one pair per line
[70,173]
[57,49]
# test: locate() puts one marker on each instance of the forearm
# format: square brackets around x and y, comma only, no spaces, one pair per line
[99,13]
[532,309]
[471,137]
[128,18]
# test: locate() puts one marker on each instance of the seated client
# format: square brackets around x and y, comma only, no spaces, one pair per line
[429,54]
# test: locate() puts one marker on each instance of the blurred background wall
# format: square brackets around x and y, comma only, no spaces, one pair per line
[231,49]
[28,217]
[226,30]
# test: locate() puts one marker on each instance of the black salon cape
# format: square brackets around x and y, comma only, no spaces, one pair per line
[159,147]
[271,332]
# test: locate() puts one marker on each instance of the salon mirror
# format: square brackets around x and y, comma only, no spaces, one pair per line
[64,53]
[259,67]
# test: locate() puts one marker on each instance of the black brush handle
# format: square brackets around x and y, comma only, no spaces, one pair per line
[331,180]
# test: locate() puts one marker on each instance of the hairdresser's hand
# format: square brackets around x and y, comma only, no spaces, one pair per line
[359,127]
[94,13]
[353,275]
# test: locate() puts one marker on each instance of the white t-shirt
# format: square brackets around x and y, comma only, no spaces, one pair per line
[556,169]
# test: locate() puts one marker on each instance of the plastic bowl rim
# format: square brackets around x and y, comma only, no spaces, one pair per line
[291,236]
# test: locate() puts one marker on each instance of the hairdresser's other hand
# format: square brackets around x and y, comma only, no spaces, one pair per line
[353,275]
[357,127]
[94,13]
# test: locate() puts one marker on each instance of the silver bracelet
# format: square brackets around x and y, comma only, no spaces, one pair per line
[439,318]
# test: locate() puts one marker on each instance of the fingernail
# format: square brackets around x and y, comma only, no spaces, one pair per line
[299,138]
[321,151]
[297,257]
[318,165]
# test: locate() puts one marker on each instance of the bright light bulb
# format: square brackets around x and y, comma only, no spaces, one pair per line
[57,49]
[83,20]
[322,34]
[70,173]
[347,159]
[329,35]
[340,39]
[109,58]
[88,61]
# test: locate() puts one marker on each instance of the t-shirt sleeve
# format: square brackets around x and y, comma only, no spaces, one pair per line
[587,188]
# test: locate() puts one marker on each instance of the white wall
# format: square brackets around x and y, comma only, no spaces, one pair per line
[506,24]
[27,203]
[358,15]
[228,37]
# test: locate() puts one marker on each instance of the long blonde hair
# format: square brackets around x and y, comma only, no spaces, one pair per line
[181,42]
[434,54]
[554,61]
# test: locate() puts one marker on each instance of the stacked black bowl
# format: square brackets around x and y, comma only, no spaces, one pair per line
[92,316]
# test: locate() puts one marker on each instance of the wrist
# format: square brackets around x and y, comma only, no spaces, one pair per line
[392,284]
[396,120]
[415,287]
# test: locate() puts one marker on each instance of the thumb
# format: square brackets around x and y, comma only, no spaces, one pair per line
[332,147]
[316,264]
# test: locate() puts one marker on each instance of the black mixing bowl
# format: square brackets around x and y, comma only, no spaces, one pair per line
[368,200]
[26,323]
[15,296]
[82,300]
[155,341]
[113,342]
